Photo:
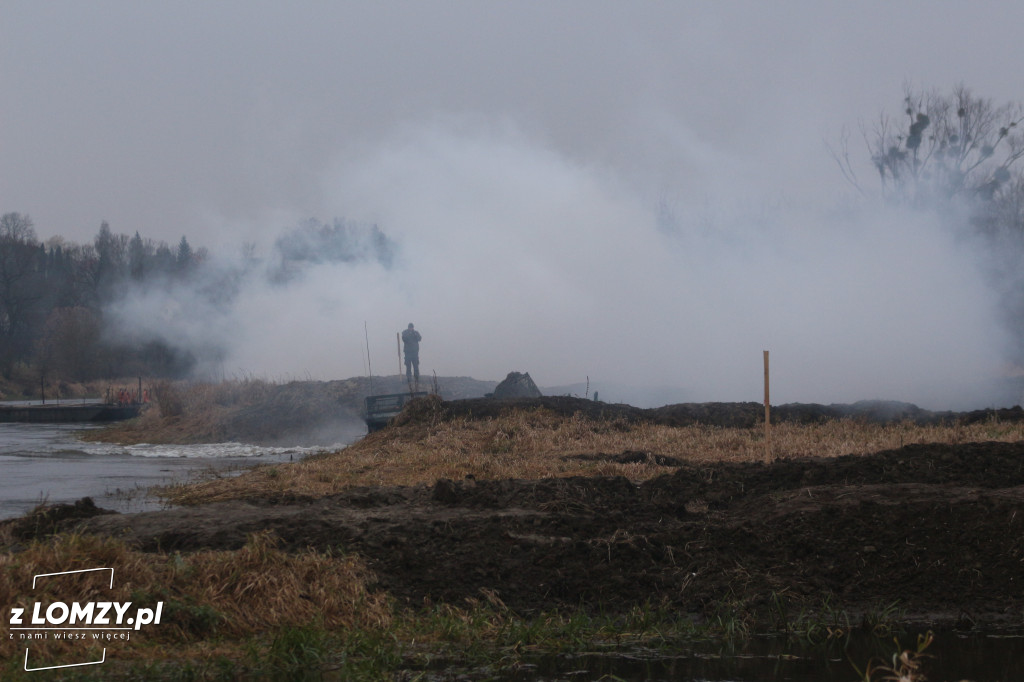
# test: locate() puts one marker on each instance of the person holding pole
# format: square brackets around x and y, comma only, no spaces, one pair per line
[411,338]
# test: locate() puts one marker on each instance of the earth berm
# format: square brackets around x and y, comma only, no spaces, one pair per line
[936,529]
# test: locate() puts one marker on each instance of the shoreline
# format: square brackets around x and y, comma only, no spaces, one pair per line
[516,514]
[817,531]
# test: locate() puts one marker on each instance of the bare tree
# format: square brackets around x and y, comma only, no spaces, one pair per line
[957,148]
[948,146]
[15,227]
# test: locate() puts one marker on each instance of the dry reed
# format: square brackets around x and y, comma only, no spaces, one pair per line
[230,594]
[248,410]
[538,443]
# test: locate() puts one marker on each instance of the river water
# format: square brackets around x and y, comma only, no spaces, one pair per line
[48,463]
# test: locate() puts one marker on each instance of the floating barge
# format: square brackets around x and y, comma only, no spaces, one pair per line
[67,413]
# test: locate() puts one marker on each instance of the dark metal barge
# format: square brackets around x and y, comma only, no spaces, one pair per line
[57,413]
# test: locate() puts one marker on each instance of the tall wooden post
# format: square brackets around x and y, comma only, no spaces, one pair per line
[767,416]
[398,340]
[369,365]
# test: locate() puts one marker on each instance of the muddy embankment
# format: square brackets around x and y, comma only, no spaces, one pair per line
[938,529]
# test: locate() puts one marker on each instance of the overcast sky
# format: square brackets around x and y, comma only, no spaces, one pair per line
[556,134]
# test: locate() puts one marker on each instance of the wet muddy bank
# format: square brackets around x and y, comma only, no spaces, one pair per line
[934,529]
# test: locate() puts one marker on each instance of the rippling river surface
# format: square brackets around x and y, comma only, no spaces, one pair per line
[48,463]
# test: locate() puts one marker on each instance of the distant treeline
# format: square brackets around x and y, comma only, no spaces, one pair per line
[54,295]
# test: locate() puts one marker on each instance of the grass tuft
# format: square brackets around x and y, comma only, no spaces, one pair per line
[212,594]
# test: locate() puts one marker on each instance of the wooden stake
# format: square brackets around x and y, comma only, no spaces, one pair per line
[767,416]
[369,365]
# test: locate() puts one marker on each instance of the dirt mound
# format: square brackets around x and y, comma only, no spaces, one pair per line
[630,457]
[488,408]
[936,528]
[516,385]
[51,518]
[740,415]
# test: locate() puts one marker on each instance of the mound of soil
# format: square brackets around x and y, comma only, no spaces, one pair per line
[739,415]
[48,519]
[516,385]
[937,528]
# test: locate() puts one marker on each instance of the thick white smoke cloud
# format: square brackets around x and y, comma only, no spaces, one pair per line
[513,256]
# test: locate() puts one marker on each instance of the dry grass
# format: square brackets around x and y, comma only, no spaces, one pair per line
[183,412]
[534,444]
[203,412]
[253,410]
[215,601]
[24,385]
[227,594]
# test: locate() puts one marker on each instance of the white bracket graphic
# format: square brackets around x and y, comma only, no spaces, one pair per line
[69,665]
[84,570]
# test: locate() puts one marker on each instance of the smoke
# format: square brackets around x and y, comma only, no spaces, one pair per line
[513,255]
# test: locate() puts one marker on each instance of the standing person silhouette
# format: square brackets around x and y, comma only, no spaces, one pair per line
[411,341]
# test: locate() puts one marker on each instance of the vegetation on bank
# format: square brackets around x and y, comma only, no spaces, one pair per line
[26,384]
[214,601]
[251,410]
[247,410]
[260,612]
[537,443]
